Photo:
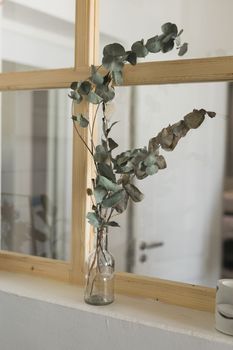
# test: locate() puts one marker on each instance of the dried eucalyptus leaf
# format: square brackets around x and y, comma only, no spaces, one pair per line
[110,128]
[211,114]
[150,160]
[169,28]
[74,85]
[93,219]
[151,170]
[107,184]
[106,170]
[161,162]
[194,119]
[94,98]
[183,49]
[140,49]
[75,96]
[166,137]
[114,49]
[122,204]
[106,93]
[134,193]
[112,144]
[154,45]
[82,121]
[99,193]
[84,88]
[113,224]
[112,63]
[180,129]
[167,46]
[117,77]
[113,199]
[101,155]
[131,57]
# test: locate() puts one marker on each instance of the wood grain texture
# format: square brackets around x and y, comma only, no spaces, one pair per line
[44,79]
[87,33]
[36,266]
[180,71]
[181,294]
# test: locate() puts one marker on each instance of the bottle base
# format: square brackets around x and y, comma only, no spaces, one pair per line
[98,300]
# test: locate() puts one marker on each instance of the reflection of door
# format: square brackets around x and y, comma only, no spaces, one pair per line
[182,205]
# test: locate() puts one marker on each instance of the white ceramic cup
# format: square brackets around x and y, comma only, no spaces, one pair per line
[224,306]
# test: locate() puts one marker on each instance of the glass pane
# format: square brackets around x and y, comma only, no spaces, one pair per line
[207,24]
[36,174]
[37,34]
[176,231]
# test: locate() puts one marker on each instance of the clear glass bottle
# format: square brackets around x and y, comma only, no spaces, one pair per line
[100,273]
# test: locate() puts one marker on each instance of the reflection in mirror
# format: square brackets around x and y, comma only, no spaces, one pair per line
[206,24]
[30,28]
[177,231]
[36,173]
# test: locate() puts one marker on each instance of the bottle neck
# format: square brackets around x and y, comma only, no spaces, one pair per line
[102,238]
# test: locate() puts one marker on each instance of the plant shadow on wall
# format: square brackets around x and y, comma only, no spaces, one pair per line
[113,185]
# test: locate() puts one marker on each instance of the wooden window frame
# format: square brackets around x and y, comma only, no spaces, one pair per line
[168,72]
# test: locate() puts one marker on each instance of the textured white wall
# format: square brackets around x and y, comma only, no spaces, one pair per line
[37,314]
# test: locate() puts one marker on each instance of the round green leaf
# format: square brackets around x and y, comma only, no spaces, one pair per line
[140,49]
[84,88]
[114,50]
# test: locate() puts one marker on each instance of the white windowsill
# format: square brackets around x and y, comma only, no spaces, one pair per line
[136,311]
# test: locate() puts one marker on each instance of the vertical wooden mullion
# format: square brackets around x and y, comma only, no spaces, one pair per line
[86,53]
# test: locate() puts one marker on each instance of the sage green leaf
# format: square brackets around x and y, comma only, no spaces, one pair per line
[99,193]
[112,63]
[168,46]
[94,98]
[107,184]
[112,144]
[183,49]
[106,93]
[97,79]
[113,224]
[131,57]
[93,219]
[150,160]
[122,204]
[168,28]
[117,77]
[74,85]
[134,193]
[113,199]
[151,170]
[82,121]
[106,170]
[110,128]
[75,96]
[140,49]
[84,88]
[154,44]
[194,119]
[101,155]
[114,49]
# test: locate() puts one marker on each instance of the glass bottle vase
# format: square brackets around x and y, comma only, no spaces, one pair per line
[100,268]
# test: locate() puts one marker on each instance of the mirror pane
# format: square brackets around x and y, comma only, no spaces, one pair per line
[206,24]
[36,159]
[177,231]
[37,34]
